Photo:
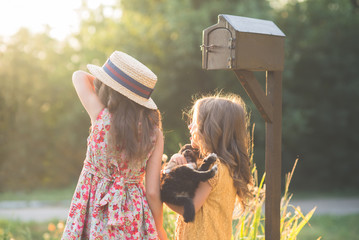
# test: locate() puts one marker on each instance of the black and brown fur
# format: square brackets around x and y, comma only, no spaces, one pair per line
[179,183]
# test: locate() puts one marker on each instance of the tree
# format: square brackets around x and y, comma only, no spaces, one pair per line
[38,146]
[43,125]
[320,83]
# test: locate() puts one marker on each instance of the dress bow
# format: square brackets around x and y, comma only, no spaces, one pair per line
[115,198]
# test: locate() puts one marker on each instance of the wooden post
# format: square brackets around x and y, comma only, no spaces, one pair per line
[273,157]
[269,104]
[256,93]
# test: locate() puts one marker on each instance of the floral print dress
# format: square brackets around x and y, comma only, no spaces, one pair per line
[109,201]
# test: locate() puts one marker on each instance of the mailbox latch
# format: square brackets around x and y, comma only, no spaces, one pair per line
[231,58]
[207,48]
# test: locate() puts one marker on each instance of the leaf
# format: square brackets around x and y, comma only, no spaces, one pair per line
[305,220]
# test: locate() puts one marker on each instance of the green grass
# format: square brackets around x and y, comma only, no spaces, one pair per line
[326,226]
[39,195]
[331,227]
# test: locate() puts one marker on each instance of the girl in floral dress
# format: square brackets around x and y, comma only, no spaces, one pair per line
[218,125]
[124,148]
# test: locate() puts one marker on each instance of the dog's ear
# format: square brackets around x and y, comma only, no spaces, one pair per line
[189,147]
[185,147]
[196,152]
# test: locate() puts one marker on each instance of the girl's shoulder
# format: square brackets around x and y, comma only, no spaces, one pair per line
[214,180]
[222,177]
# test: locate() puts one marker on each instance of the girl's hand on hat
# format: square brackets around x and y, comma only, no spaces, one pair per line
[178,159]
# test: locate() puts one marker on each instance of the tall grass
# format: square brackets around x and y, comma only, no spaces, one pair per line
[249,224]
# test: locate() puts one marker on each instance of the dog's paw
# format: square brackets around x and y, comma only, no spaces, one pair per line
[215,168]
[213,171]
[188,215]
[211,158]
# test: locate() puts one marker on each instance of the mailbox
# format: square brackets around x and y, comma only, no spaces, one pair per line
[243,43]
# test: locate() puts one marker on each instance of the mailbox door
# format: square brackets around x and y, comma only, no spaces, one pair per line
[218,49]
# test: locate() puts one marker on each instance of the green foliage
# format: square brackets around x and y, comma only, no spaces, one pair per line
[43,126]
[37,141]
[31,230]
[320,83]
[249,224]
[169,220]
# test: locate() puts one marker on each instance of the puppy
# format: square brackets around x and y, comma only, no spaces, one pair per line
[179,182]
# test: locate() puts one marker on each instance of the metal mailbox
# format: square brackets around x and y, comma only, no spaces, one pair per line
[243,43]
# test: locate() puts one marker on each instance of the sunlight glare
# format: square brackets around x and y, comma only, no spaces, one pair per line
[62,17]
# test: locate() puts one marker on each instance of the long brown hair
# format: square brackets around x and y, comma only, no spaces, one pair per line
[222,122]
[132,126]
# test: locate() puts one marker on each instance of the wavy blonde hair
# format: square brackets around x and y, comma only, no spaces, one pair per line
[222,127]
[132,125]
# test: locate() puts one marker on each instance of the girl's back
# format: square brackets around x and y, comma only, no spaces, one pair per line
[103,159]
[110,192]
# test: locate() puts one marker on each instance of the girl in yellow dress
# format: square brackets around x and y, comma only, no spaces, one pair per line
[218,125]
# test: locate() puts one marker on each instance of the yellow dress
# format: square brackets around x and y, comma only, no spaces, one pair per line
[214,219]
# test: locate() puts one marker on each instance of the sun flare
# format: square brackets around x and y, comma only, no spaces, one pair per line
[61,17]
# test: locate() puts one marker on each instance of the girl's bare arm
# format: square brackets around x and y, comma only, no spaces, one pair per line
[83,83]
[153,170]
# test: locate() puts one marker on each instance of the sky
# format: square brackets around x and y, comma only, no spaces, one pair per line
[61,15]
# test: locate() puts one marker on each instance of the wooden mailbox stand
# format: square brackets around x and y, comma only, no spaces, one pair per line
[245,45]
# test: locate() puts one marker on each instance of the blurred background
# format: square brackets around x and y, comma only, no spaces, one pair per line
[43,126]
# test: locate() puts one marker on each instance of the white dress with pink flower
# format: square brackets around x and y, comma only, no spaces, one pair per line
[109,201]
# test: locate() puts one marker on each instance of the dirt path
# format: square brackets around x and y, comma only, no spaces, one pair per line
[39,214]
[34,210]
[39,211]
[334,206]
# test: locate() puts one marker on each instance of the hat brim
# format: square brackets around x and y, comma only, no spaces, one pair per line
[101,75]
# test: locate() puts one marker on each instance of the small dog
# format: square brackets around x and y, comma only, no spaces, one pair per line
[179,182]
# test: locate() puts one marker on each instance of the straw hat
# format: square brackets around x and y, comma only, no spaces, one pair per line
[127,76]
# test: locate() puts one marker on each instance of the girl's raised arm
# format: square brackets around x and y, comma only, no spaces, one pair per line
[153,170]
[83,83]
